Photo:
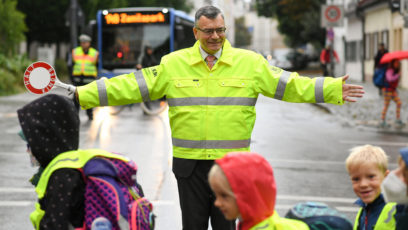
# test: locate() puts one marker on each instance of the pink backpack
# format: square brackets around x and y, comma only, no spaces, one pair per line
[112,192]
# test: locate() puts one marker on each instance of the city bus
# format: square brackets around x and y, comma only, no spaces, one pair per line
[124,33]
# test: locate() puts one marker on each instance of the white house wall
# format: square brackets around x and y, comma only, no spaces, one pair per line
[376,20]
[354,33]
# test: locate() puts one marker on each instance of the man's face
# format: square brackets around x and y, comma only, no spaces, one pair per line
[85,45]
[210,33]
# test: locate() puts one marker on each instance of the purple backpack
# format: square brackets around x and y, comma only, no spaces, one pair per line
[112,192]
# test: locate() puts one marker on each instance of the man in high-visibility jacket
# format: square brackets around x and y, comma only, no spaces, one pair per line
[211,105]
[84,70]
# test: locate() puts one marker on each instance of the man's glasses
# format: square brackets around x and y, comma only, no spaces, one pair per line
[219,31]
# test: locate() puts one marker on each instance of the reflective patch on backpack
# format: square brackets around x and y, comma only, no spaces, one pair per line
[112,192]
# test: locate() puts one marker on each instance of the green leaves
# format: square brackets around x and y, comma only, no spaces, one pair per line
[12,27]
[299,20]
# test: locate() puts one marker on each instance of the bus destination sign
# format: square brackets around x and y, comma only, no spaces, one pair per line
[131,18]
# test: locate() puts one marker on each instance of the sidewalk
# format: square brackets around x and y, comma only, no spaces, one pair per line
[366,112]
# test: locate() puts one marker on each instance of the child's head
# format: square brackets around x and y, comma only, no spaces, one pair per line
[50,126]
[225,198]
[367,166]
[404,163]
[244,186]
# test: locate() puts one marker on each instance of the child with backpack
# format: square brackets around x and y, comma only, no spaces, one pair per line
[368,166]
[77,189]
[245,188]
[392,76]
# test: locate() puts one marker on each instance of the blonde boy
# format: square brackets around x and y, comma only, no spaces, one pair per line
[368,166]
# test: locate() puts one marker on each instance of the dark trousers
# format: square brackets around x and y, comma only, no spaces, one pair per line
[196,196]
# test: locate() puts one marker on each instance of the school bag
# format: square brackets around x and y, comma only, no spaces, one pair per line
[319,216]
[379,77]
[111,191]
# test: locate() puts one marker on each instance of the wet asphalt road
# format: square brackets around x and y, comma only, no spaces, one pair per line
[305,145]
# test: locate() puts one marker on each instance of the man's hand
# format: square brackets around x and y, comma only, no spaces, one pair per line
[351,91]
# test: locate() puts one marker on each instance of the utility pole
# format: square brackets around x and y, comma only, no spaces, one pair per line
[73,23]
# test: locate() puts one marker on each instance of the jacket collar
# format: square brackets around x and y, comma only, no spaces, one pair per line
[378,200]
[226,56]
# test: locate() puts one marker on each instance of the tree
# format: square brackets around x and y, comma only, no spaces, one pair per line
[183,5]
[298,20]
[12,27]
[242,36]
[47,22]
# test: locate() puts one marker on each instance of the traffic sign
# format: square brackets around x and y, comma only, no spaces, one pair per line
[332,16]
[40,78]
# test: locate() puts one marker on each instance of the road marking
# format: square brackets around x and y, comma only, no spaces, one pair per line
[317,198]
[305,161]
[163,202]
[15,203]
[8,115]
[380,143]
[17,190]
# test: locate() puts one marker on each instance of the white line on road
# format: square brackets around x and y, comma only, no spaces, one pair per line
[17,190]
[306,161]
[317,198]
[172,202]
[163,202]
[15,203]
[380,143]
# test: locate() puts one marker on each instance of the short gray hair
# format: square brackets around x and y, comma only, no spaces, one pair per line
[210,12]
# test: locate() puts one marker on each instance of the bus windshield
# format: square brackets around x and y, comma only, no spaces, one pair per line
[123,46]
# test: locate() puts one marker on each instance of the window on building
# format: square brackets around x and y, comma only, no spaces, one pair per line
[397,39]
[369,43]
[352,51]
[384,38]
[375,43]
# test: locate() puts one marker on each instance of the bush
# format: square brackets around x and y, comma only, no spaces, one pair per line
[11,73]
[62,70]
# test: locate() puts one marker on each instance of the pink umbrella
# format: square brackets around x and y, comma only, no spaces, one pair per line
[403,54]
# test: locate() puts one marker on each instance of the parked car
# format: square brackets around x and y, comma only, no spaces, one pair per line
[298,59]
[280,59]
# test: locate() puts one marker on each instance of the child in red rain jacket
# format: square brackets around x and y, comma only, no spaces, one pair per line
[245,188]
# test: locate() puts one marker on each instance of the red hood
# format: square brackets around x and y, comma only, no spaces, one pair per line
[252,181]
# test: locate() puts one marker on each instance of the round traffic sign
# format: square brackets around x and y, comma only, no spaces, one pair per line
[332,13]
[39,77]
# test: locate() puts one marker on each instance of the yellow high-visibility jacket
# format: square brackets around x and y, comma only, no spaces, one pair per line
[275,222]
[73,159]
[211,112]
[385,221]
[85,64]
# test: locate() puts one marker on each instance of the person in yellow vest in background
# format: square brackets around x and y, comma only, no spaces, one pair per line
[211,89]
[367,166]
[84,70]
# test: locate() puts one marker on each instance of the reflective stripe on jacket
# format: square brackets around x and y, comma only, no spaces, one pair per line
[275,222]
[385,221]
[85,64]
[211,112]
[72,159]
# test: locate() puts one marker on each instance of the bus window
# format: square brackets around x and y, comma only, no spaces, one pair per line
[184,36]
[123,45]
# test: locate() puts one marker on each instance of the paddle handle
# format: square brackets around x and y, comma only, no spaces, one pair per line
[69,88]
